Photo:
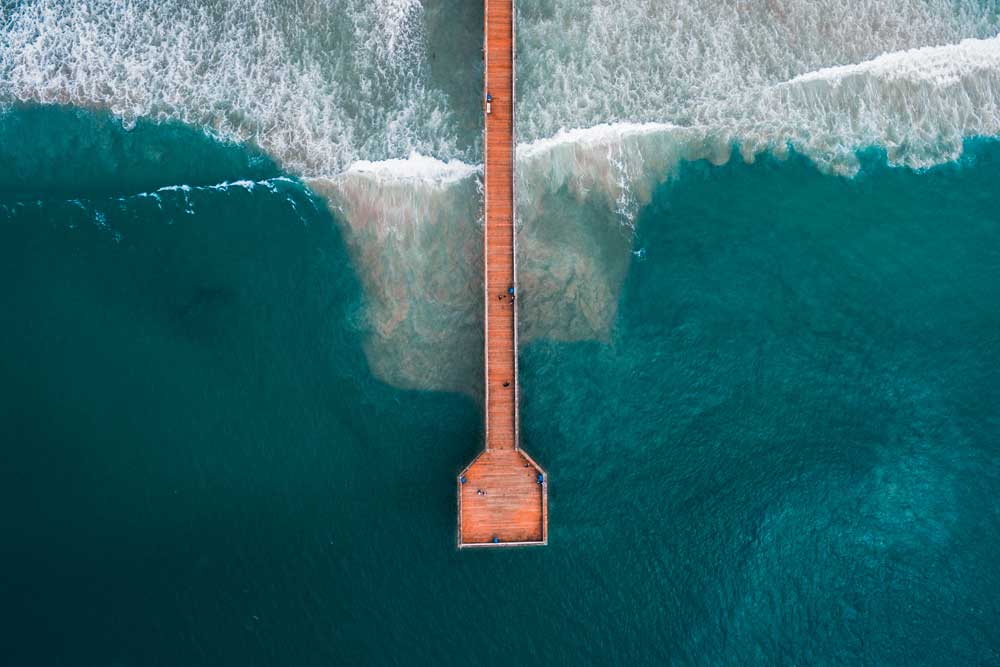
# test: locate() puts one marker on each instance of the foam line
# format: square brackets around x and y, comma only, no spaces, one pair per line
[416,167]
[939,65]
[601,134]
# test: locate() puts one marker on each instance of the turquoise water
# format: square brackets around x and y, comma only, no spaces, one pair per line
[785,453]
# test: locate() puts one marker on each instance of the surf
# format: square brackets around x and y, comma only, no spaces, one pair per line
[376,107]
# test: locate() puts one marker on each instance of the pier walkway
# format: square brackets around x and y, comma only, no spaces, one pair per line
[503,494]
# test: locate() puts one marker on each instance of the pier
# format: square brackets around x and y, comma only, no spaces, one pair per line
[503,493]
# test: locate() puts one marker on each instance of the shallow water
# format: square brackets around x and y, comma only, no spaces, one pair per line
[783,451]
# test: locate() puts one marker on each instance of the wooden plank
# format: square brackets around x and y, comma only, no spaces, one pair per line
[501,498]
[502,495]
[499,219]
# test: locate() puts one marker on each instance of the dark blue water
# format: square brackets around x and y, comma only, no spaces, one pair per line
[787,454]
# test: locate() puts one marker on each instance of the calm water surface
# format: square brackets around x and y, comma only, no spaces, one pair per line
[788,452]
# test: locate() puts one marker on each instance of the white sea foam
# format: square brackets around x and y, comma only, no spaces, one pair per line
[620,162]
[269,183]
[418,168]
[604,134]
[397,27]
[940,65]
[918,104]
[750,73]
[318,85]
[613,94]
[322,86]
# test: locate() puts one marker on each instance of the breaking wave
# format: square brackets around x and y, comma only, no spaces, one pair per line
[375,105]
[307,81]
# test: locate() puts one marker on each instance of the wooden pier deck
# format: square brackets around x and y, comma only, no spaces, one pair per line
[503,494]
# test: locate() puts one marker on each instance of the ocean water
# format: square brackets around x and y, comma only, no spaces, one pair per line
[375,105]
[240,361]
